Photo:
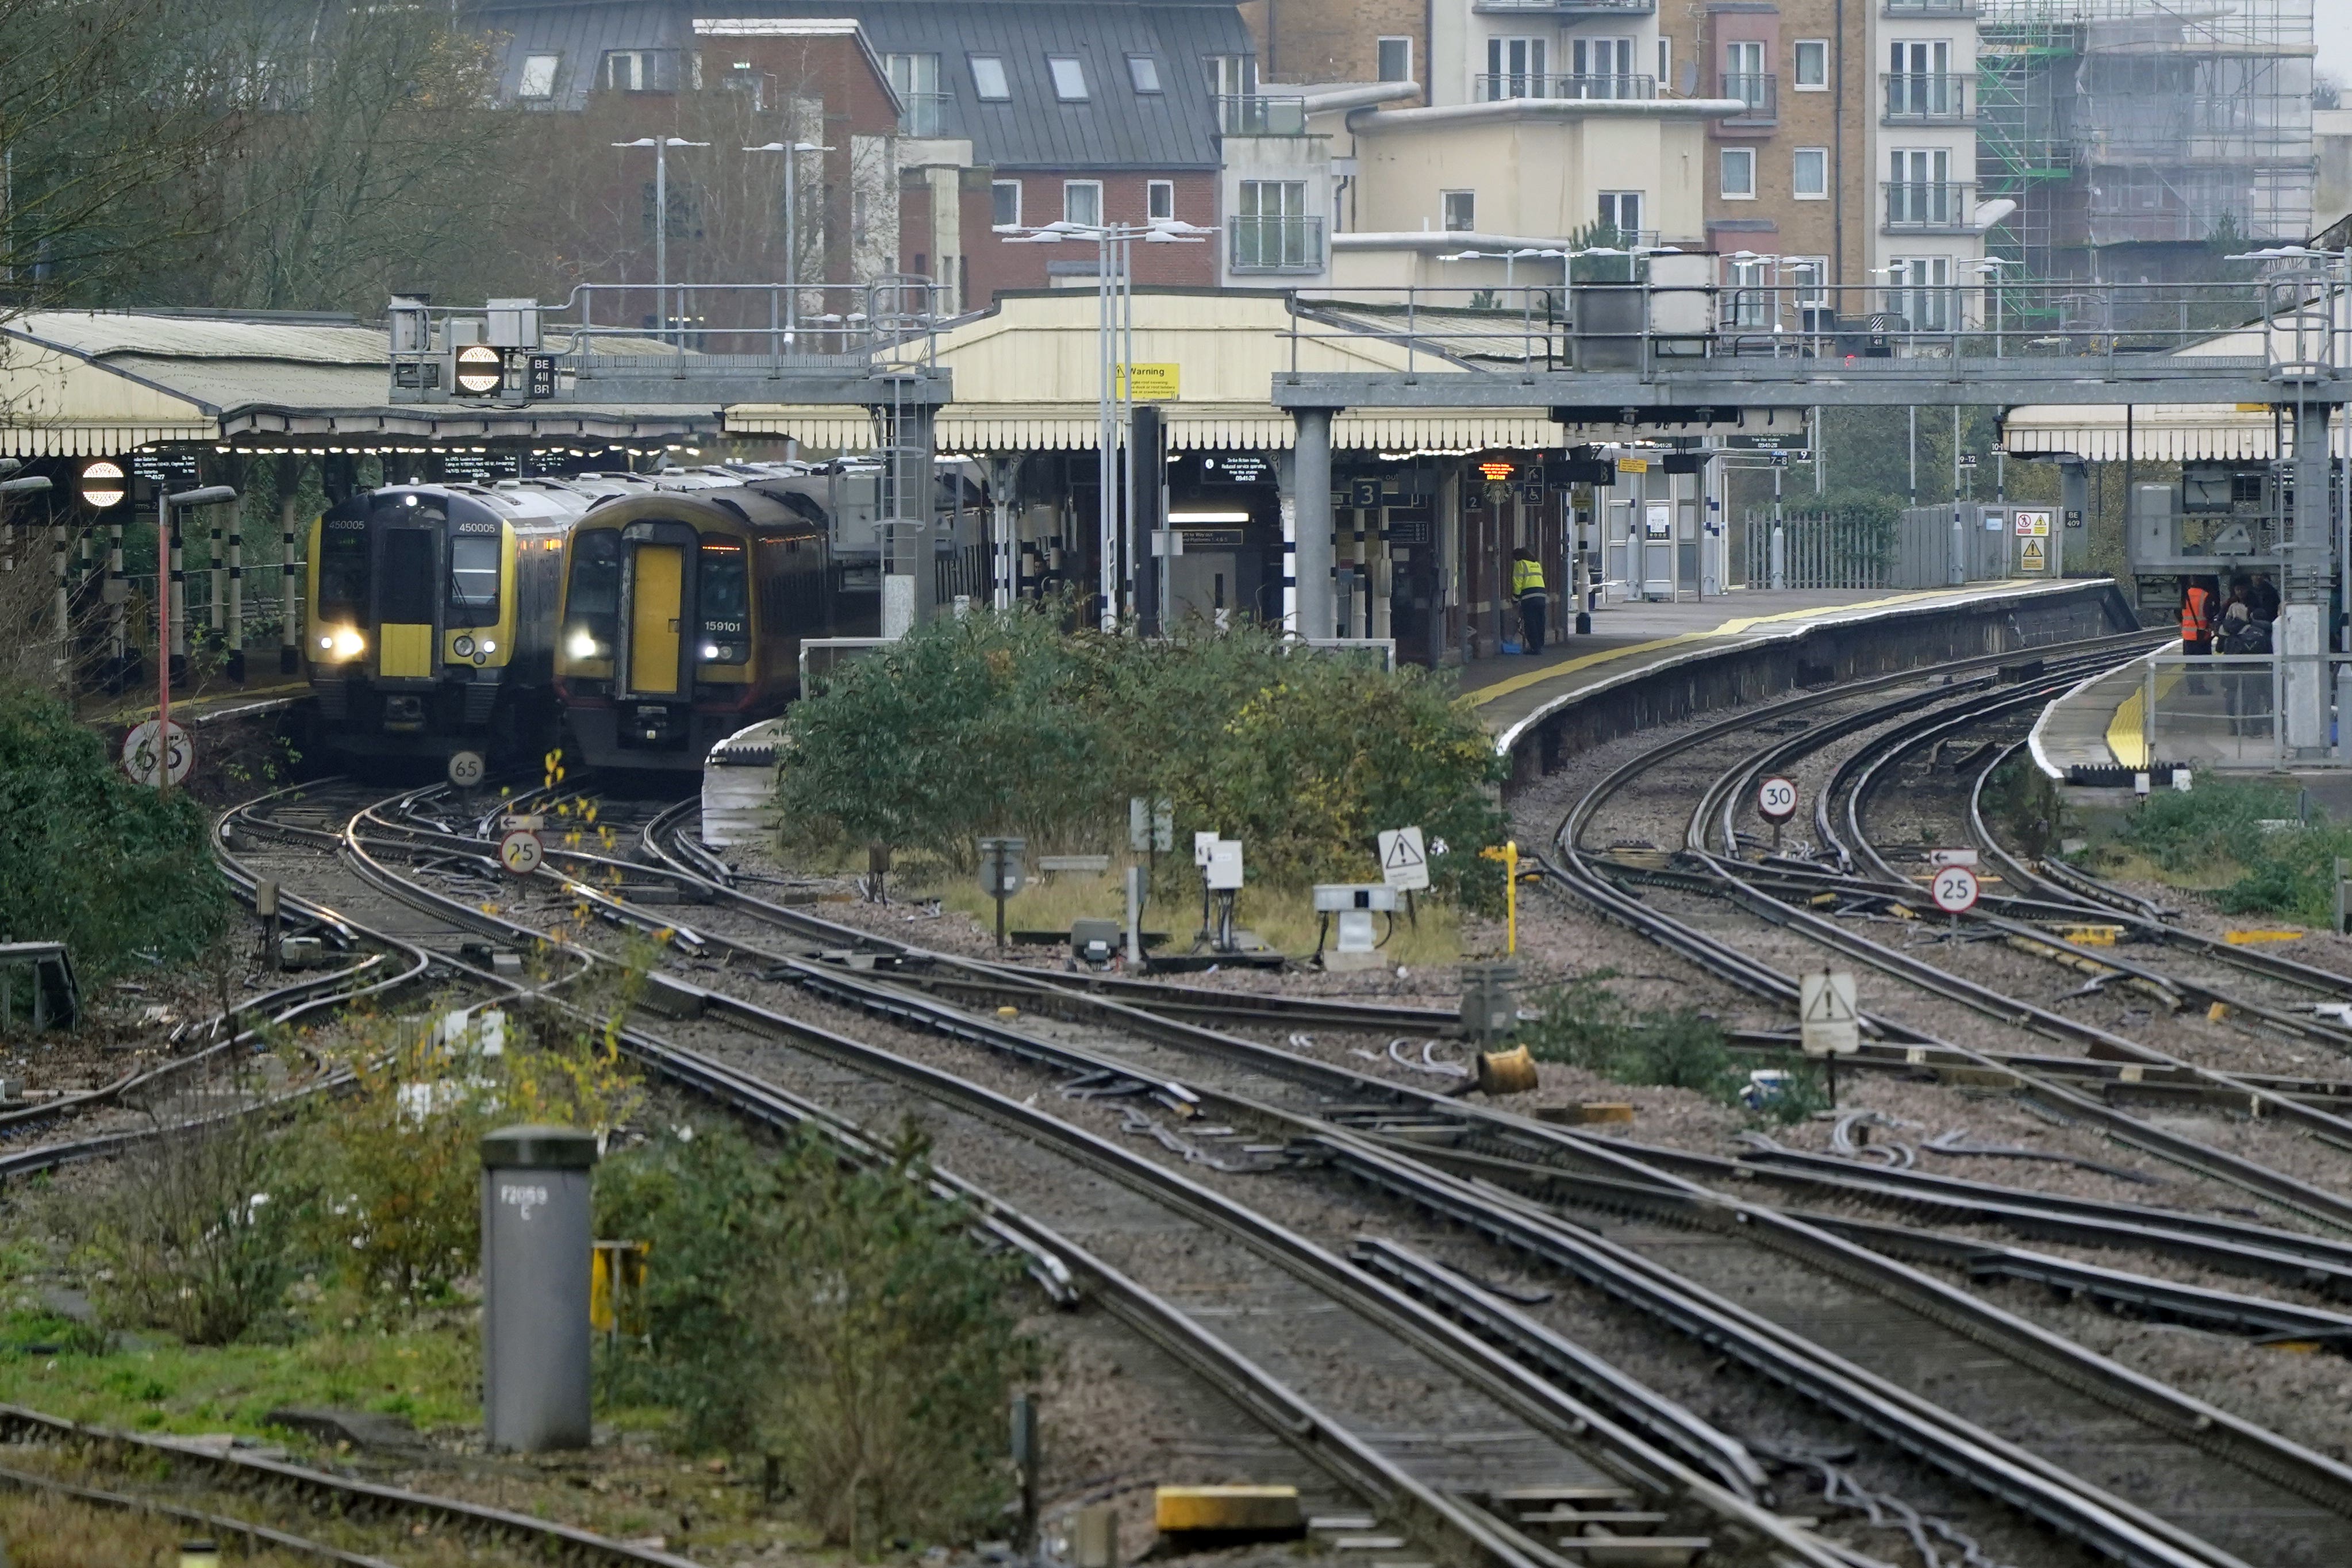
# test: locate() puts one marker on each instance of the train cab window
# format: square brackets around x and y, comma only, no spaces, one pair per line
[405,598]
[724,592]
[474,579]
[343,573]
[592,606]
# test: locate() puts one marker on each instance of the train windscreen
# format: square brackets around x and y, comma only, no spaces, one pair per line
[343,573]
[406,597]
[474,579]
[725,594]
[592,603]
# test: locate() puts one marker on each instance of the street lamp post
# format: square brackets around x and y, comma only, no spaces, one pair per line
[661,146]
[792,151]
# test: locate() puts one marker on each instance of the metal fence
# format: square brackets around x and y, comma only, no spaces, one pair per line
[1815,550]
[2245,710]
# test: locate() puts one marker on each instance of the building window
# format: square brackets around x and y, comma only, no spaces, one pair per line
[1232,75]
[1144,71]
[1461,211]
[1515,69]
[1600,67]
[1665,63]
[1808,174]
[1396,60]
[1919,190]
[1082,202]
[1738,183]
[988,83]
[1808,278]
[538,77]
[1004,203]
[915,80]
[1743,74]
[1812,65]
[1621,211]
[1069,77]
[1919,291]
[634,71]
[1273,231]
[1159,199]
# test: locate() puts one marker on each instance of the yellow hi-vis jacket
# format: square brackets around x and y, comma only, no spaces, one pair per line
[1526,578]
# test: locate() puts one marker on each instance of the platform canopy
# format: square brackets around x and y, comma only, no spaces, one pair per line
[1028,377]
[93,383]
[2161,432]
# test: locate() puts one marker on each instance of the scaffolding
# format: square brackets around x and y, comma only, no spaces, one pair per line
[2133,135]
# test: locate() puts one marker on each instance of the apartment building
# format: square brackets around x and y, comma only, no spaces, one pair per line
[1928,239]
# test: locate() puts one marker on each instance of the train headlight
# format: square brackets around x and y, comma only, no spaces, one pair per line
[488,645]
[710,651]
[582,646]
[463,646]
[345,642]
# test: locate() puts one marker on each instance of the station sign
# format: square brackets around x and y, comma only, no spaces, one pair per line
[1150,383]
[1235,468]
[1788,441]
[103,484]
[1363,493]
[2033,524]
[1632,465]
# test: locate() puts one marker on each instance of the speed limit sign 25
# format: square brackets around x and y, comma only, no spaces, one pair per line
[1954,888]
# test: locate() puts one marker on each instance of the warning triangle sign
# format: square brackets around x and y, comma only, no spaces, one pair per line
[1829,1003]
[1402,851]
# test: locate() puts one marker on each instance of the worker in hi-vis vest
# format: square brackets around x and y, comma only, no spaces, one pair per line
[1528,587]
[2196,618]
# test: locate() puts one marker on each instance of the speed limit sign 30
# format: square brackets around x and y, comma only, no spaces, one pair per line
[1954,888]
[1776,799]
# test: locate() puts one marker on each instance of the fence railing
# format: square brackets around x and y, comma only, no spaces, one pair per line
[1925,97]
[1814,550]
[1929,206]
[1275,244]
[1759,92]
[1259,114]
[1500,86]
[2247,711]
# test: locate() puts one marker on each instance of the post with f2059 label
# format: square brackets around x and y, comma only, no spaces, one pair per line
[537,1241]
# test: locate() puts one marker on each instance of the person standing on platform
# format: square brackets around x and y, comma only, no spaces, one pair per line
[1527,587]
[2196,618]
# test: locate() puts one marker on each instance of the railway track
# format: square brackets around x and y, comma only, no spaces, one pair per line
[1383,1138]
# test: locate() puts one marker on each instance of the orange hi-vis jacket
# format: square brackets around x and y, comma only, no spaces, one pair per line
[2196,619]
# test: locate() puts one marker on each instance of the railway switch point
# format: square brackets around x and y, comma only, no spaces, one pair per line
[536,1245]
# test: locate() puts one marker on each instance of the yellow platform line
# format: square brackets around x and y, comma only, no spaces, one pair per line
[1732,627]
[2127,731]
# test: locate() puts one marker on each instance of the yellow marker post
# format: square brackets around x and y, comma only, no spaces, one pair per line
[1509,856]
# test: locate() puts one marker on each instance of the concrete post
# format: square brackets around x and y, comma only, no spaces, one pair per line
[1311,481]
[2303,619]
[289,478]
[536,1243]
[237,590]
[172,583]
[1383,575]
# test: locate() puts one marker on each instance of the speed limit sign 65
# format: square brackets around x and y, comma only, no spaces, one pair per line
[152,753]
[1776,798]
[1954,889]
[520,852]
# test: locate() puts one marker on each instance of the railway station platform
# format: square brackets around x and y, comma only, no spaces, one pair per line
[2097,726]
[1649,664]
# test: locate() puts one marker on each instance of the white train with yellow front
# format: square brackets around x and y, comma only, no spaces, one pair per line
[431,618]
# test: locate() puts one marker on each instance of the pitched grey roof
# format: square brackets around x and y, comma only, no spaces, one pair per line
[1117,127]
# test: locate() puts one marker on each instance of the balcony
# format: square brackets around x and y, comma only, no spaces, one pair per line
[1914,97]
[1761,94]
[1255,115]
[925,113]
[1929,206]
[1570,8]
[1912,10]
[1275,244]
[1506,86]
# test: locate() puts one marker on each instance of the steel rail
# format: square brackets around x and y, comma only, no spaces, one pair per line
[254,1535]
[346,1494]
[1469,1534]
[1576,873]
[2103,1379]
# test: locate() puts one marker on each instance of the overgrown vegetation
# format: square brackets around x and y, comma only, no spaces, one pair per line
[1587,1025]
[92,860]
[1004,723]
[2246,840]
[896,1328]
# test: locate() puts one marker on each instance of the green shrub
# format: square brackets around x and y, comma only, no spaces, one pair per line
[1001,723]
[895,1334]
[92,860]
[2215,832]
[1587,1025]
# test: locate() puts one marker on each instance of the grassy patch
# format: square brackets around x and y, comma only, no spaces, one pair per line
[2239,840]
[39,1532]
[1587,1025]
